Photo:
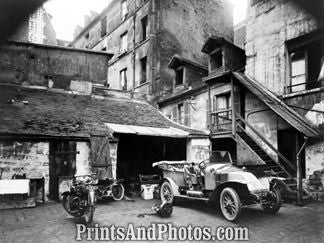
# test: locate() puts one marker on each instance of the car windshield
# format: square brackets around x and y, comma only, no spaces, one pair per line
[220,157]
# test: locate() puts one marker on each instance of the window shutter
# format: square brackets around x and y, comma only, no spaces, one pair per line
[214,108]
[174,114]
[186,114]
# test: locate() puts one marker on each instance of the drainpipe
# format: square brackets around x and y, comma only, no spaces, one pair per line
[134,54]
[299,171]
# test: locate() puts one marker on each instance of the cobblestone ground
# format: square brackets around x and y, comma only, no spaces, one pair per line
[50,223]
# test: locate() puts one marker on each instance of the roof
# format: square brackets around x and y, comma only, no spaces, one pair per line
[276,105]
[147,131]
[177,61]
[213,42]
[47,113]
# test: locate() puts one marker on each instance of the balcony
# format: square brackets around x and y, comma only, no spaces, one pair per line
[221,121]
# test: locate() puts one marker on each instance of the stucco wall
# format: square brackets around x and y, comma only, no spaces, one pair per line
[269,24]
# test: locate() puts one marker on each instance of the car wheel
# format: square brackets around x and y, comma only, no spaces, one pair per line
[166,192]
[273,205]
[230,204]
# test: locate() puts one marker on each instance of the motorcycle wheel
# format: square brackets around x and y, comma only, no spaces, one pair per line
[88,216]
[66,202]
[117,192]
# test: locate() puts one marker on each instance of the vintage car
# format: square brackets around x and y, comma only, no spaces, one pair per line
[217,179]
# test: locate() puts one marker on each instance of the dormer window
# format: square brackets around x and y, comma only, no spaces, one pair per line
[179,76]
[216,60]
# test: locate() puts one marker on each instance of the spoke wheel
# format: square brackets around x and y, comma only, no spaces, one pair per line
[166,192]
[230,204]
[274,203]
[118,192]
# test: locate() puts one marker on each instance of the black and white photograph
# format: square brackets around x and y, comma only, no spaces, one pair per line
[161,121]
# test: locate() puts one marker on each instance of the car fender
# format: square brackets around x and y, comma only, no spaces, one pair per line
[175,187]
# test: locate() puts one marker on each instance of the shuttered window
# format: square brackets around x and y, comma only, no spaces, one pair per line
[181,113]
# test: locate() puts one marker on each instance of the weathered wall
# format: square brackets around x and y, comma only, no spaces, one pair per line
[304,103]
[269,24]
[185,27]
[32,156]
[197,109]
[265,121]
[31,64]
[198,149]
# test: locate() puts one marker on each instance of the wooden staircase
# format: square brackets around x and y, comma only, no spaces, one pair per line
[282,168]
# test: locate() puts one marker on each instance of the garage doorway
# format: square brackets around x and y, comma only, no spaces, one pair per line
[136,154]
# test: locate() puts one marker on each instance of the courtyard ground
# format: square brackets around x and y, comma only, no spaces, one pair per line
[50,223]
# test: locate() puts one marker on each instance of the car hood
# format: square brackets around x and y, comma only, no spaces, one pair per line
[235,174]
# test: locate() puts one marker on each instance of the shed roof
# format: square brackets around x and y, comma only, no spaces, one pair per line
[47,113]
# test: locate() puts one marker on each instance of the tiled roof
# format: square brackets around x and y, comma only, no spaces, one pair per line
[47,113]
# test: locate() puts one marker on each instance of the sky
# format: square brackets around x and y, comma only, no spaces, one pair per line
[67,14]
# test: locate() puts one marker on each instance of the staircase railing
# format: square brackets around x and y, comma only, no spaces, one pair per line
[282,157]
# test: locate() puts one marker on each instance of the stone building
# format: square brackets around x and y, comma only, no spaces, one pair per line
[144,35]
[285,53]
[58,120]
[273,114]
[37,29]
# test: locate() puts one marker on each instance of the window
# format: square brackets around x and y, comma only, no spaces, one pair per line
[123,79]
[216,60]
[144,23]
[124,10]
[104,26]
[179,76]
[123,44]
[298,71]
[143,70]
[222,113]
[222,102]
[306,57]
[87,35]
[181,114]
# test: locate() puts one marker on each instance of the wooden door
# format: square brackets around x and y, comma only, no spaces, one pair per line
[100,157]
[62,164]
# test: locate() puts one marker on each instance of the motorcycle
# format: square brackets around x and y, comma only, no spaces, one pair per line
[110,188]
[80,200]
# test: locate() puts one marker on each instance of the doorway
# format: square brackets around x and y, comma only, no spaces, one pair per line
[62,164]
[288,140]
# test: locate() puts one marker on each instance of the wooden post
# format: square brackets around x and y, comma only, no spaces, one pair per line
[299,170]
[233,107]
[209,110]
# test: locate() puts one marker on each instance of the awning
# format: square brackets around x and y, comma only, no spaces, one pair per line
[147,131]
[277,106]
